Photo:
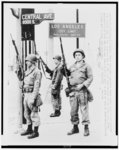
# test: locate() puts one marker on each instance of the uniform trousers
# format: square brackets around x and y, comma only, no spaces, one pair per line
[31,112]
[56,100]
[79,100]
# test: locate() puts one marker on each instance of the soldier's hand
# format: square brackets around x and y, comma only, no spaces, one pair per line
[79,87]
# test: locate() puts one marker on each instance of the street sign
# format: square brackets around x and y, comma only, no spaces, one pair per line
[67,30]
[36,18]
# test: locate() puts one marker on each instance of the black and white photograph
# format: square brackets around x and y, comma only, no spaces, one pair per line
[59,74]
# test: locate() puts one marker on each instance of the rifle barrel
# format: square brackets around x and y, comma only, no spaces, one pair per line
[43,61]
[67,79]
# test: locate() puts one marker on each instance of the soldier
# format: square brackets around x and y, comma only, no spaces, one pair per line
[57,77]
[32,99]
[80,79]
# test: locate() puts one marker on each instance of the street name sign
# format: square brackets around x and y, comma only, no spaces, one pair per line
[36,18]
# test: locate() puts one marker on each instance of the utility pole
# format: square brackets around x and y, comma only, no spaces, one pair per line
[28,45]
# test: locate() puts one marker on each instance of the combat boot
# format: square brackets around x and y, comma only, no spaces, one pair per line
[56,113]
[74,130]
[34,134]
[28,130]
[86,130]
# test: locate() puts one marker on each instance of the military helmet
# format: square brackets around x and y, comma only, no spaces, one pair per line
[58,57]
[80,51]
[31,57]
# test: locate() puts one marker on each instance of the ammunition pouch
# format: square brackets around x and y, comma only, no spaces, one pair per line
[38,101]
[28,90]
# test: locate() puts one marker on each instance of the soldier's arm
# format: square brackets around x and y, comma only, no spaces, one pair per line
[89,77]
[58,78]
[37,84]
[48,70]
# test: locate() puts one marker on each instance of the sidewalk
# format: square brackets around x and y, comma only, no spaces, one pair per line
[52,131]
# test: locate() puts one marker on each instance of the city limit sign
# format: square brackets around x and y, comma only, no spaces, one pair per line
[67,30]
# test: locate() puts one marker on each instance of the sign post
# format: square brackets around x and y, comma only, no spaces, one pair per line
[77,21]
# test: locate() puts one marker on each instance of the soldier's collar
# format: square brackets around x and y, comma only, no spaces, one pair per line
[30,70]
[81,63]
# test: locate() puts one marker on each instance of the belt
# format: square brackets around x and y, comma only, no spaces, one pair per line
[28,90]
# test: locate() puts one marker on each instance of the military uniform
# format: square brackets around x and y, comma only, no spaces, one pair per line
[57,77]
[32,98]
[80,75]
[32,81]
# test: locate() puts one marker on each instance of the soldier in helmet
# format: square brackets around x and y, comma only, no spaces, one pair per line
[80,77]
[57,77]
[32,99]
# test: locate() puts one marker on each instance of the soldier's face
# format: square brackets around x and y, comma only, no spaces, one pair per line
[78,56]
[29,64]
[56,62]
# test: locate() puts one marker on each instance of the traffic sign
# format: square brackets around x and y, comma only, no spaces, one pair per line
[67,30]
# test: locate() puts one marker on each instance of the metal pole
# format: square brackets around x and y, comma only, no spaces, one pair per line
[77,21]
[28,47]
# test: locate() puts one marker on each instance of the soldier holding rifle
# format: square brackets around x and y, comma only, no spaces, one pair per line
[79,77]
[57,77]
[32,100]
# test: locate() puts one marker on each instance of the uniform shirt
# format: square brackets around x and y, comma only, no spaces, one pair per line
[56,76]
[80,74]
[32,79]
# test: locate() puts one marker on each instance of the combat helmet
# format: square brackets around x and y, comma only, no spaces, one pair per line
[80,51]
[32,58]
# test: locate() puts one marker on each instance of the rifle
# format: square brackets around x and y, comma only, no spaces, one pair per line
[68,89]
[41,62]
[20,71]
[47,68]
